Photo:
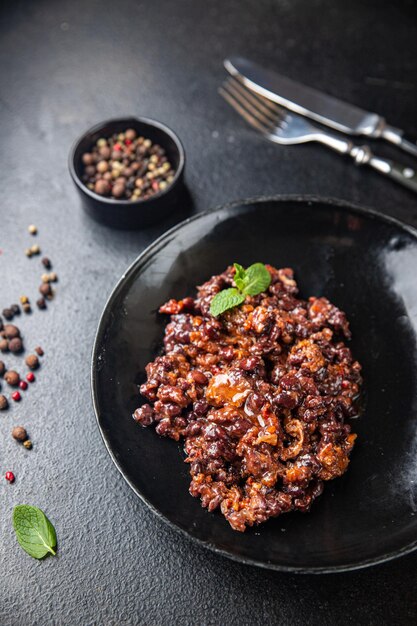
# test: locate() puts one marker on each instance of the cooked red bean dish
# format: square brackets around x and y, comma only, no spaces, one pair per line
[260,395]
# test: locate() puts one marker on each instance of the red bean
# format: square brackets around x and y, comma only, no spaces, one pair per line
[199,377]
[250,363]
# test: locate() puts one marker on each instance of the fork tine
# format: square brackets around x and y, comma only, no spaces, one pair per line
[273,111]
[249,103]
[235,104]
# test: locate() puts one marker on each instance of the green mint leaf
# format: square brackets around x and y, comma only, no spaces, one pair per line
[256,280]
[34,531]
[239,276]
[224,300]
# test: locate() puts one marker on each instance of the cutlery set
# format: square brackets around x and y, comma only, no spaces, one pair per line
[281,110]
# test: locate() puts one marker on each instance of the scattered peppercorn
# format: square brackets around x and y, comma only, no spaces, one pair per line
[41,303]
[23,385]
[28,252]
[19,433]
[32,229]
[2,368]
[24,299]
[15,345]
[15,308]
[28,444]
[46,263]
[27,308]
[4,345]
[45,289]
[11,331]
[32,361]
[45,278]
[30,376]
[38,351]
[16,396]
[12,378]
[35,249]
[9,476]
[4,403]
[8,314]
[53,277]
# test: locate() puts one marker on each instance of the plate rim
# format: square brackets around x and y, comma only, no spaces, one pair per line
[140,260]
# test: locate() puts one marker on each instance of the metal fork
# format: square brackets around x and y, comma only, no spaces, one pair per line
[287,128]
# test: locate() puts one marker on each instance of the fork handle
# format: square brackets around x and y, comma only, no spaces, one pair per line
[363,155]
[402,174]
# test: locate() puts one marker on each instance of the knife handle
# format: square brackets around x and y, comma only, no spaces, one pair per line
[396,136]
[402,174]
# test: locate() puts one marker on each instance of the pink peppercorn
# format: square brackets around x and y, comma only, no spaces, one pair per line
[10,477]
[30,376]
[23,385]
[16,396]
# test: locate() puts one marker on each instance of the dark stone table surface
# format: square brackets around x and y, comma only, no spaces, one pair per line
[64,66]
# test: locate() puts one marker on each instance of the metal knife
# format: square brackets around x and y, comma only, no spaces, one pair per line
[330,111]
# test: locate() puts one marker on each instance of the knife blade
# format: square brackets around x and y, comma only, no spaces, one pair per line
[323,108]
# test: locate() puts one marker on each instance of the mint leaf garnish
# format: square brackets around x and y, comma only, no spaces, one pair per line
[250,282]
[224,300]
[34,531]
[239,276]
[256,280]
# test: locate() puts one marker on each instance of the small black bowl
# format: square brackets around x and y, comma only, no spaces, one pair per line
[130,213]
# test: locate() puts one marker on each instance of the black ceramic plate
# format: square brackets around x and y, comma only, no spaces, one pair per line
[366,264]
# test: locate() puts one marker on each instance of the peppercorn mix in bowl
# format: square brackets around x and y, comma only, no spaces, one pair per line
[260,384]
[129,172]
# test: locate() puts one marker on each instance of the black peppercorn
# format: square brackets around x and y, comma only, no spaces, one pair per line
[15,345]
[102,187]
[12,378]
[11,331]
[87,159]
[3,403]
[45,289]
[32,361]
[4,345]
[41,303]
[118,190]
[19,433]
[46,263]
[8,314]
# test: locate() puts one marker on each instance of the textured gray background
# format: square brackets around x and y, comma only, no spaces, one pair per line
[64,66]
